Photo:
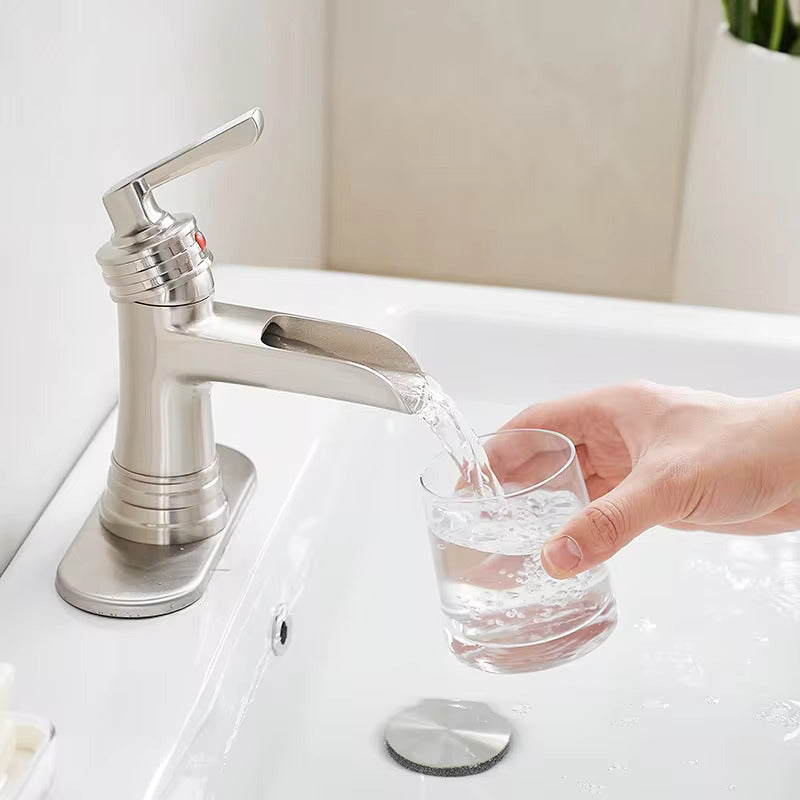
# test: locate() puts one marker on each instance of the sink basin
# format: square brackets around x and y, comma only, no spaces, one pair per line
[696,693]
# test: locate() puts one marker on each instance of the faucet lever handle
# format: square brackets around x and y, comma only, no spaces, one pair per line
[130,203]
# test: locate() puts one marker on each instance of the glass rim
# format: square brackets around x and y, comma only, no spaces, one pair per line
[517,492]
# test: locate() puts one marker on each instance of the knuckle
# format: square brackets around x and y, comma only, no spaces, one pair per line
[641,397]
[642,388]
[606,524]
[640,384]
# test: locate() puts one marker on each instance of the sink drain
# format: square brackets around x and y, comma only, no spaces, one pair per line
[447,737]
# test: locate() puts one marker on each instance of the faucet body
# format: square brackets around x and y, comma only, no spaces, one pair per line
[164,485]
[173,494]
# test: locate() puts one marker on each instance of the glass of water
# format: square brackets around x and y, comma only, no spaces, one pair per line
[503,612]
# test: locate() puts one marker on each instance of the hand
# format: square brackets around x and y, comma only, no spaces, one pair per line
[660,455]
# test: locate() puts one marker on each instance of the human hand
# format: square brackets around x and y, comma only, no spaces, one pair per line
[661,455]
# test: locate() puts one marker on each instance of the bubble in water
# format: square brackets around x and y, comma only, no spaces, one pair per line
[522,708]
[492,580]
[441,546]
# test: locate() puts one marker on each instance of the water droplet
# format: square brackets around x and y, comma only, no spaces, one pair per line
[626,722]
[645,626]
[783,714]
[616,767]
[731,786]
[693,762]
[712,701]
[588,788]
[522,708]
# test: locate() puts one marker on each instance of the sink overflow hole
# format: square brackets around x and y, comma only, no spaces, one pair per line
[281,629]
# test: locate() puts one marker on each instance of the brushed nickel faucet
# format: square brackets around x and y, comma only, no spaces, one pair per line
[173,495]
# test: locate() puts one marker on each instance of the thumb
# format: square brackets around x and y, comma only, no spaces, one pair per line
[607,525]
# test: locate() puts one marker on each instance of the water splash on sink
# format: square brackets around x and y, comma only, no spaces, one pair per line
[783,714]
[587,787]
[654,705]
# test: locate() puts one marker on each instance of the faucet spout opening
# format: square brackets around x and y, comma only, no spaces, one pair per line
[251,346]
[348,344]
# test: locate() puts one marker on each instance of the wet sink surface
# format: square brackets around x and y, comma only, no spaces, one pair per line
[695,694]
[696,690]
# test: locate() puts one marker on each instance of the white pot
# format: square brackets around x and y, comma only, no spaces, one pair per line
[739,243]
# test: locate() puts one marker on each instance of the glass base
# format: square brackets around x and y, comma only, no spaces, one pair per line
[510,659]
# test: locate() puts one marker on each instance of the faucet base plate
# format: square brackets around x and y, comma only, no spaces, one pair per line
[104,574]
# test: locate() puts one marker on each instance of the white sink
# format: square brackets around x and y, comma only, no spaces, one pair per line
[695,694]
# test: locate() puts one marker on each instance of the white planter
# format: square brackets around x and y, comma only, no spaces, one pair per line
[739,243]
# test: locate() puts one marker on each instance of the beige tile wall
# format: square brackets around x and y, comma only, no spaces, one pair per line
[515,142]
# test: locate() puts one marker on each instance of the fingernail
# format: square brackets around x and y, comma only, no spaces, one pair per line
[562,554]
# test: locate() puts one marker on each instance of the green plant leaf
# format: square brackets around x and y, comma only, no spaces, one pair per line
[790,34]
[727,8]
[733,16]
[741,19]
[778,21]
[795,48]
[761,31]
[764,19]
[745,21]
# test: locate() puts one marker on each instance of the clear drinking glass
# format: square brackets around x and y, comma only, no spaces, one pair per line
[503,612]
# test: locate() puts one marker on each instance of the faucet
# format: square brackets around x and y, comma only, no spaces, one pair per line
[173,495]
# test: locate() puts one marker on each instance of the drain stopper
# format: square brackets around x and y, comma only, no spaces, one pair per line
[447,737]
